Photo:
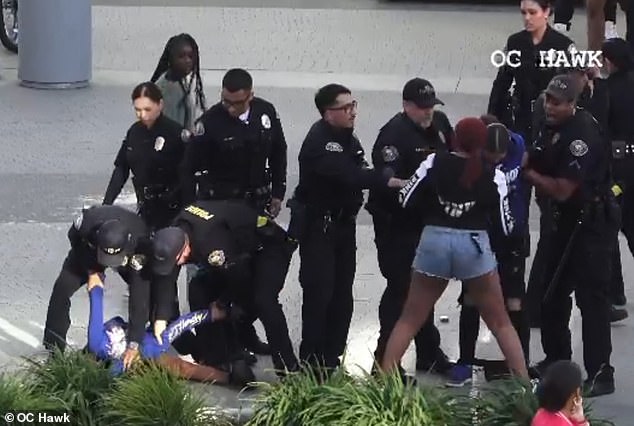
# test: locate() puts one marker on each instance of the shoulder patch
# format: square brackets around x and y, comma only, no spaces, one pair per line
[578,148]
[266,121]
[159,143]
[389,153]
[441,135]
[334,147]
[186,135]
[216,258]
[137,262]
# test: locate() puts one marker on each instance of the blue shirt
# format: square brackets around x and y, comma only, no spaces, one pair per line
[517,196]
[100,343]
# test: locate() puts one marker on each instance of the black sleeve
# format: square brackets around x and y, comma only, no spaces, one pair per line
[600,103]
[278,158]
[334,164]
[188,168]
[164,290]
[119,176]
[138,306]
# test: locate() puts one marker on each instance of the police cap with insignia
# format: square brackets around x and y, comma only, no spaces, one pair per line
[167,244]
[113,243]
[421,92]
[563,87]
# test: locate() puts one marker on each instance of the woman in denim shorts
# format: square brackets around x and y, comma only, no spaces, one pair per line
[459,198]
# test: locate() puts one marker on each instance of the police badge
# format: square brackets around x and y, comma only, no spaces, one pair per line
[137,262]
[389,153]
[159,143]
[186,135]
[266,121]
[216,258]
[578,148]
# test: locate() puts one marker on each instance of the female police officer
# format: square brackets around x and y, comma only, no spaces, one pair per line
[152,149]
[530,80]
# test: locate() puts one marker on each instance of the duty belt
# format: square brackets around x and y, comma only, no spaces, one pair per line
[156,192]
[622,149]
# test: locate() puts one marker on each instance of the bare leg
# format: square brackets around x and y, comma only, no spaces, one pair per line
[487,294]
[423,293]
[196,372]
[596,23]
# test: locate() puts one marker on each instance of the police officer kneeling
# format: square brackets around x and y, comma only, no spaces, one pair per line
[243,258]
[103,237]
[570,165]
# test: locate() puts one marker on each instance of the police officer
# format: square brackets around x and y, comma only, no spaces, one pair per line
[536,38]
[402,144]
[620,128]
[103,237]
[570,166]
[239,153]
[594,99]
[153,151]
[332,175]
[244,259]
[239,150]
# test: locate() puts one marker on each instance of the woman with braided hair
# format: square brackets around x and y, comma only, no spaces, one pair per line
[178,76]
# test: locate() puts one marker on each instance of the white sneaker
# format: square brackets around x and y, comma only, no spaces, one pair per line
[562,28]
[610,30]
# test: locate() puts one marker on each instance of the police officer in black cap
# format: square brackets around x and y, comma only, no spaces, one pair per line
[152,150]
[103,237]
[570,165]
[244,258]
[402,144]
[332,175]
[619,63]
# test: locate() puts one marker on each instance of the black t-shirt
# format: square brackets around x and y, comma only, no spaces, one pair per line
[435,189]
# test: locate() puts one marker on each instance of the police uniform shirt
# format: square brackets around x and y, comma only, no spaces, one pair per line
[221,232]
[573,150]
[333,170]
[401,146]
[449,204]
[530,80]
[232,153]
[620,117]
[154,156]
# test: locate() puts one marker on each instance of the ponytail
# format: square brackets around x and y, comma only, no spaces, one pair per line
[472,170]
[470,138]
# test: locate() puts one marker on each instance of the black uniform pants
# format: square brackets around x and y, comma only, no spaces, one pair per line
[565,9]
[626,201]
[396,248]
[327,253]
[157,216]
[537,280]
[72,277]
[587,273]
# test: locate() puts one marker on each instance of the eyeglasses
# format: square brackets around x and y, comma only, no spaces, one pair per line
[346,108]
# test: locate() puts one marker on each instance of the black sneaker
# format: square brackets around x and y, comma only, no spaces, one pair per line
[538,370]
[620,300]
[601,384]
[618,314]
[441,365]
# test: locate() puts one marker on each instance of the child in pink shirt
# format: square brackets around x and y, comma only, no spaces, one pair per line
[559,395]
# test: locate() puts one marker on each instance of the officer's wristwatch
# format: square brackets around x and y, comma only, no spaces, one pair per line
[133,345]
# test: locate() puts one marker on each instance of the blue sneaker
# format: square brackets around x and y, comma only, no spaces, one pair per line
[459,376]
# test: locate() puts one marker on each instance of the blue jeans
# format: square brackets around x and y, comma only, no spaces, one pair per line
[449,253]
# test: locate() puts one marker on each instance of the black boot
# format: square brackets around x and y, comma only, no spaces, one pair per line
[602,383]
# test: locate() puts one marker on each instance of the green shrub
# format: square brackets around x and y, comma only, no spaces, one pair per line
[151,395]
[19,393]
[77,380]
[303,399]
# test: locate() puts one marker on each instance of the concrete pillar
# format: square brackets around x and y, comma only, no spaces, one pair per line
[55,50]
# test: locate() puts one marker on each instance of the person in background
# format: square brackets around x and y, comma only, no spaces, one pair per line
[462,198]
[178,76]
[559,395]
[107,341]
[565,9]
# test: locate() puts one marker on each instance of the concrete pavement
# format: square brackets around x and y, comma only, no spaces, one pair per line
[58,147]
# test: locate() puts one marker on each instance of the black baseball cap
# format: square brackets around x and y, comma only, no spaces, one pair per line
[619,52]
[498,138]
[421,92]
[167,243]
[113,242]
[563,87]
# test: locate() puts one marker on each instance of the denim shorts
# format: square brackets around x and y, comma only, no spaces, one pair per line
[454,253]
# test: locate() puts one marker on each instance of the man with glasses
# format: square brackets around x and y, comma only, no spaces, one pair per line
[332,175]
[402,144]
[238,152]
